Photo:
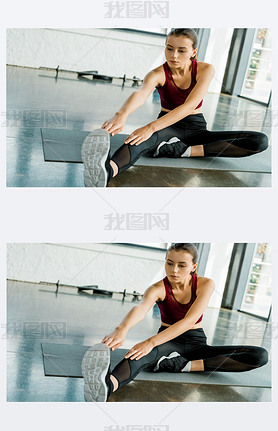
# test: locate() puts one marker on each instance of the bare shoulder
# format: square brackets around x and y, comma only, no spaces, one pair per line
[157,289]
[205,283]
[158,69]
[204,69]
[158,74]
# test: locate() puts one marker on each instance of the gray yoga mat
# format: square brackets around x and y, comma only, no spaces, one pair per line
[61,145]
[64,360]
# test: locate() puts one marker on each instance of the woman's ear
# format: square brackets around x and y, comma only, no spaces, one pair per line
[194,268]
[194,54]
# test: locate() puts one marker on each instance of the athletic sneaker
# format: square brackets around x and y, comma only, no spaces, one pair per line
[174,363]
[96,373]
[172,148]
[95,153]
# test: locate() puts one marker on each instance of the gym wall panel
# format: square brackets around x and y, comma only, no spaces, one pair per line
[110,266]
[109,51]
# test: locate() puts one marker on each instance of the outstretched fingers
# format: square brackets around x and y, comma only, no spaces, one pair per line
[133,354]
[139,135]
[112,343]
[111,128]
[134,140]
[139,350]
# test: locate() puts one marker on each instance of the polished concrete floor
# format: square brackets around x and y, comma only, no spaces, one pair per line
[36,99]
[37,314]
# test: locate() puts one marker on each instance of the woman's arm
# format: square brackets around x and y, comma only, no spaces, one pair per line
[204,293]
[135,315]
[182,111]
[136,99]
[193,100]
[194,313]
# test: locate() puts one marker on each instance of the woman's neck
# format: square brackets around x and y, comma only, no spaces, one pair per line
[183,70]
[182,285]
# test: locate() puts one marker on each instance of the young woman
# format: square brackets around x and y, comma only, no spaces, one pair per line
[180,129]
[180,344]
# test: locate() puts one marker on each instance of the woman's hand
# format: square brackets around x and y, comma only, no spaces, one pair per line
[140,350]
[115,125]
[115,339]
[140,135]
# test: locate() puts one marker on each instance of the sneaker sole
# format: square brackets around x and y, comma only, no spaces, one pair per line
[94,153]
[95,365]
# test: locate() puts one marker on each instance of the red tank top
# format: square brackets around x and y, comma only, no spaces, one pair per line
[171,95]
[172,310]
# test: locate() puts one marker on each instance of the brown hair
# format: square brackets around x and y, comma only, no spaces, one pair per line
[187,32]
[188,247]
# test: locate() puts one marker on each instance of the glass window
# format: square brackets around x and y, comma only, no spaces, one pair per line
[257,297]
[257,82]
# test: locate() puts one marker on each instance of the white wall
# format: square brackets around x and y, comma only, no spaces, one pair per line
[110,51]
[110,266]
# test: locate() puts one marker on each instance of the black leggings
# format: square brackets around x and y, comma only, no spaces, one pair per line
[192,345]
[192,131]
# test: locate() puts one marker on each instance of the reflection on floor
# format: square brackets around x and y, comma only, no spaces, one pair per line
[37,314]
[36,99]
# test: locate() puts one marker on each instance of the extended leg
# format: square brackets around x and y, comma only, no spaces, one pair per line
[229,144]
[205,358]
[229,358]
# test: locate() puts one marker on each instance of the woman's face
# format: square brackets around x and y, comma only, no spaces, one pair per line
[179,265]
[179,50]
